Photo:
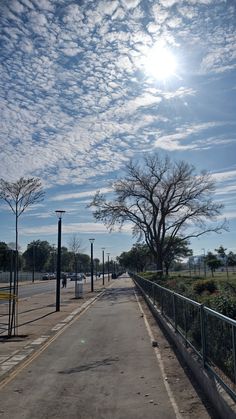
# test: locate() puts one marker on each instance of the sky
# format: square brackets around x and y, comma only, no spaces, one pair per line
[87,85]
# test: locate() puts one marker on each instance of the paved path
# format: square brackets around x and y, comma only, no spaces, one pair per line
[102,365]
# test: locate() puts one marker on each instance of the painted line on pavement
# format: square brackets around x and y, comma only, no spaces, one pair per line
[160,362]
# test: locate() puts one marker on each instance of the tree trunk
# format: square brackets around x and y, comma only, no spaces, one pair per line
[159,265]
[14,307]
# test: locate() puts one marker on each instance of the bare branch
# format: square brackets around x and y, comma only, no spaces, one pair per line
[21,194]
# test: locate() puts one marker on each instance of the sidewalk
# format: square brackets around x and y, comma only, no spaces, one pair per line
[107,336]
[38,320]
[102,366]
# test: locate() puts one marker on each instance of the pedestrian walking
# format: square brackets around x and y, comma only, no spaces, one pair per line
[64,281]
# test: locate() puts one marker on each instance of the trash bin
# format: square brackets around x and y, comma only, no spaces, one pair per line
[79,288]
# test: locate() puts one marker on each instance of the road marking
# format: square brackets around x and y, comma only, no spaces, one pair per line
[160,362]
[40,350]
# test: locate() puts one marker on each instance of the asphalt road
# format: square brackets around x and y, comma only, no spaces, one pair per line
[103,365]
[47,286]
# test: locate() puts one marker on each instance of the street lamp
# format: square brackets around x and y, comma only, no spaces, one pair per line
[108,266]
[91,241]
[59,215]
[103,278]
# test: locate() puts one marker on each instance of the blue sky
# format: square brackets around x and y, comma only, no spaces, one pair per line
[87,85]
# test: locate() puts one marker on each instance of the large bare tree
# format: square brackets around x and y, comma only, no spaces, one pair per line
[163,200]
[19,195]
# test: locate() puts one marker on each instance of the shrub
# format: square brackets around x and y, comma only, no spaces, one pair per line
[224,304]
[204,285]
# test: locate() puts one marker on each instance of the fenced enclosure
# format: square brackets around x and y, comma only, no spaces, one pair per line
[211,335]
[22,276]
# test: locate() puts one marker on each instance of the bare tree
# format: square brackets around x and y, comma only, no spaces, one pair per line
[19,195]
[76,247]
[163,200]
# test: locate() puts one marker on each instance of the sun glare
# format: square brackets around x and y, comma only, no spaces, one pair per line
[160,63]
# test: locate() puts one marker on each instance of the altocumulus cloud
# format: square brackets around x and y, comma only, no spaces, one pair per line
[75,102]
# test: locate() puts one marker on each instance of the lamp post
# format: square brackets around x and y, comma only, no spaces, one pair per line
[33,272]
[91,242]
[103,278]
[59,215]
[108,266]
[10,291]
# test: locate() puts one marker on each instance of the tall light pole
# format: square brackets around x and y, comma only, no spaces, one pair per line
[108,266]
[91,242]
[33,263]
[59,215]
[103,278]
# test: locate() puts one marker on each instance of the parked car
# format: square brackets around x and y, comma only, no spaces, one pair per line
[79,276]
[45,276]
[48,276]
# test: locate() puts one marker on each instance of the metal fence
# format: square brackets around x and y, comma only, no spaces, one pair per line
[211,335]
[22,276]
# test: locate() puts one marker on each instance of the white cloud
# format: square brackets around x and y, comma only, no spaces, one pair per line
[169,3]
[75,103]
[175,140]
[70,228]
[223,176]
[131,4]
[78,195]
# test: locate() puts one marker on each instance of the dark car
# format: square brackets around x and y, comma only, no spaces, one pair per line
[45,276]
[48,276]
[79,276]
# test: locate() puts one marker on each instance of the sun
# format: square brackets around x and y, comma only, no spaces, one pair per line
[160,63]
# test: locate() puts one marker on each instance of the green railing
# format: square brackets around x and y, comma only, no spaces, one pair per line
[211,335]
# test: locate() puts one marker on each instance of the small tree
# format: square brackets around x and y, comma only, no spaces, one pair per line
[37,254]
[75,246]
[213,262]
[19,195]
[174,252]
[83,262]
[232,259]
[222,254]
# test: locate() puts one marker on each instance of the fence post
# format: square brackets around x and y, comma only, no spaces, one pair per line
[162,302]
[174,311]
[234,352]
[203,334]
[185,323]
